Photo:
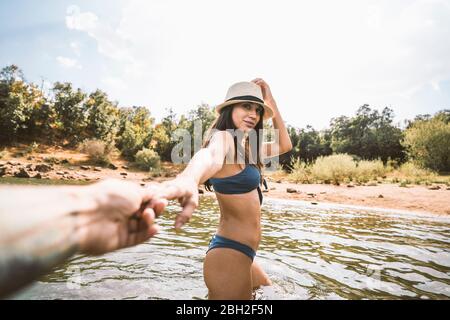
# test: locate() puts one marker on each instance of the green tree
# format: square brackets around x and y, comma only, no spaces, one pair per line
[313,144]
[162,141]
[203,113]
[11,73]
[70,112]
[285,159]
[135,130]
[368,135]
[20,106]
[443,115]
[13,110]
[388,138]
[308,144]
[102,117]
[427,141]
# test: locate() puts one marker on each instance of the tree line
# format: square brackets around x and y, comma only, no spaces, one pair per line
[69,116]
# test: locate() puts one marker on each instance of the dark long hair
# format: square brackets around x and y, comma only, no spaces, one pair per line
[225,121]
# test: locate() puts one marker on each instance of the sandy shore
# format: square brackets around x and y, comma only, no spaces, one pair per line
[413,198]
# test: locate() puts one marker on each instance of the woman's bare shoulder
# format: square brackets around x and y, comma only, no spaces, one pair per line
[222,139]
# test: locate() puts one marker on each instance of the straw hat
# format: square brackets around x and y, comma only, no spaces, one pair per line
[245,92]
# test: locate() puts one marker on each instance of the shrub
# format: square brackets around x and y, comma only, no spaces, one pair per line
[369,170]
[409,169]
[413,173]
[301,172]
[391,165]
[148,159]
[335,168]
[51,160]
[97,150]
[33,147]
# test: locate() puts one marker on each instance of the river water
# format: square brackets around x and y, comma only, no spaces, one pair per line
[309,252]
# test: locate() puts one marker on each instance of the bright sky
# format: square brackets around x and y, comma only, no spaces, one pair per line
[321,58]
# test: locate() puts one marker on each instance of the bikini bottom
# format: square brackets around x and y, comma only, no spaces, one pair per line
[222,242]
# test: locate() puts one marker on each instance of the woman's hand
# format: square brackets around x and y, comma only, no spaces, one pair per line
[284,144]
[267,94]
[185,189]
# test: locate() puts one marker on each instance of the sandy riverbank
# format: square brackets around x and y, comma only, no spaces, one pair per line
[413,198]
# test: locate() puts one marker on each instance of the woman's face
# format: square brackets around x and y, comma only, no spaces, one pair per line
[246,115]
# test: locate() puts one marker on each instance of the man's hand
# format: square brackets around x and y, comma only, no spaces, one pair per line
[124,217]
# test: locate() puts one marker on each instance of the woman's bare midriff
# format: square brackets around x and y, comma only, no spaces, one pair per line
[240,217]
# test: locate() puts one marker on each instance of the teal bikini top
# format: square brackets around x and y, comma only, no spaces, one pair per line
[243,182]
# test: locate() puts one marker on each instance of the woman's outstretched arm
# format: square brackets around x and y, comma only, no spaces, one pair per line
[203,165]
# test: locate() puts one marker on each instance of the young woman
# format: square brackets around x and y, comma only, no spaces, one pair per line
[232,166]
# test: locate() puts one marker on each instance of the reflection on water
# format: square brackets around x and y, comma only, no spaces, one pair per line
[310,252]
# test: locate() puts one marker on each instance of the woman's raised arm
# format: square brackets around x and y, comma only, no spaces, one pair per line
[284,144]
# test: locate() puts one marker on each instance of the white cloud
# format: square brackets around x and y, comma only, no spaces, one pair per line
[80,21]
[321,58]
[76,47]
[109,43]
[435,85]
[68,62]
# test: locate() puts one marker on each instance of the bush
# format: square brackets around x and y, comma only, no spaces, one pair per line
[148,159]
[410,169]
[411,172]
[391,165]
[31,148]
[301,172]
[97,150]
[51,160]
[335,168]
[416,173]
[404,184]
[369,170]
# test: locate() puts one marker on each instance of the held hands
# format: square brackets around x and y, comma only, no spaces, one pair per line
[124,216]
[125,213]
[185,189]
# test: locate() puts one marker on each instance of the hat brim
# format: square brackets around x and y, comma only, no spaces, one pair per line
[268,112]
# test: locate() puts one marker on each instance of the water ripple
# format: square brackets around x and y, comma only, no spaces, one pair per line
[310,252]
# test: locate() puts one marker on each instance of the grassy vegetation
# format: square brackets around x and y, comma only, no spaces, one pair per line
[98,151]
[342,168]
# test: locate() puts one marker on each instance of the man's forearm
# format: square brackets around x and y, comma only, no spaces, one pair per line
[39,228]
[34,255]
